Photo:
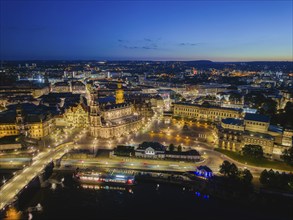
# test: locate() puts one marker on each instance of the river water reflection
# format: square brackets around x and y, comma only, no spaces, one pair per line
[145,200]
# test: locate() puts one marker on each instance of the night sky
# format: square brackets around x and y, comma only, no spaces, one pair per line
[147,30]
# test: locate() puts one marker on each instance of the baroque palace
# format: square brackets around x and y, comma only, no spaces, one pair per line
[77,115]
[104,119]
[35,121]
[236,129]
[204,113]
[113,120]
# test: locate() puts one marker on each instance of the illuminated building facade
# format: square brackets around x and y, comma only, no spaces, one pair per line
[199,112]
[61,87]
[254,129]
[27,119]
[119,93]
[287,137]
[77,116]
[113,120]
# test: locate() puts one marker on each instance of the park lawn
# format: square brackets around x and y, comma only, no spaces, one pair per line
[256,162]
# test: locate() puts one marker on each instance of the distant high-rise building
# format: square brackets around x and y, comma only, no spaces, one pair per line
[65,74]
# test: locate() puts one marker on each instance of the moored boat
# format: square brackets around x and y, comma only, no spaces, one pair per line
[99,178]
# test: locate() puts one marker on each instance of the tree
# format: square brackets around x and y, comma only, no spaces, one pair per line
[179,148]
[233,171]
[235,97]
[246,176]
[285,117]
[287,156]
[206,104]
[276,179]
[254,99]
[264,177]
[269,177]
[273,177]
[229,169]
[289,107]
[269,107]
[225,168]
[254,151]
[171,147]
[177,96]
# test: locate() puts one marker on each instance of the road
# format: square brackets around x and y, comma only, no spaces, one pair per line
[15,185]
[62,145]
[136,164]
[154,130]
[166,133]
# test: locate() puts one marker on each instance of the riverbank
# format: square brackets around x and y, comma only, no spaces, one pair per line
[152,198]
[263,162]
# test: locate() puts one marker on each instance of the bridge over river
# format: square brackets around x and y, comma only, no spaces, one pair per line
[15,185]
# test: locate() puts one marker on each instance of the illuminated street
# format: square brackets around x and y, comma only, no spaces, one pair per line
[15,185]
[156,129]
[146,109]
[165,132]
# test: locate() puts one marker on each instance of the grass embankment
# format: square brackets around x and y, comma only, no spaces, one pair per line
[263,162]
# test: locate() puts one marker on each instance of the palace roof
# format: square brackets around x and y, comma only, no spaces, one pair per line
[256,117]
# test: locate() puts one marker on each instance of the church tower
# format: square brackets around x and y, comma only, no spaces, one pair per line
[93,98]
[119,93]
[19,115]
[94,118]
[19,118]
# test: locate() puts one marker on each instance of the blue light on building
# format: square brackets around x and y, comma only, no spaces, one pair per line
[204,171]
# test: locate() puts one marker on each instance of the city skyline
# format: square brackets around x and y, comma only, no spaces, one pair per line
[132,30]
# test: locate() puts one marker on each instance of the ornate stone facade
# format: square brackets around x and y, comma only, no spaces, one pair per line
[27,119]
[254,129]
[113,120]
[77,116]
[203,113]
[119,94]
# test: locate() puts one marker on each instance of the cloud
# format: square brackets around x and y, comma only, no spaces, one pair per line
[130,47]
[122,41]
[189,44]
[145,44]
[140,47]
[149,48]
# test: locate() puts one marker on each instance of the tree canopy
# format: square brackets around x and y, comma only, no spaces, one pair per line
[171,147]
[254,151]
[246,176]
[228,169]
[287,156]
[285,118]
[231,171]
[264,104]
[276,180]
